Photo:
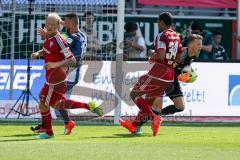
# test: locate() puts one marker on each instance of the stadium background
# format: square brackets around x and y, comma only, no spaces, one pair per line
[214,97]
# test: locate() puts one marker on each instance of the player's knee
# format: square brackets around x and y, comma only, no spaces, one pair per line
[151,101]
[179,103]
[43,107]
[157,102]
[180,108]
[57,105]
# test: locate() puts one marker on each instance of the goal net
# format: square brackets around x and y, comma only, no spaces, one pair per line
[18,39]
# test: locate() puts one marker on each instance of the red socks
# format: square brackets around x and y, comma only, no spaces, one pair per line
[141,117]
[70,104]
[47,121]
[143,105]
[145,112]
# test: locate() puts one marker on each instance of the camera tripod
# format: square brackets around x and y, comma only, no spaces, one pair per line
[25,95]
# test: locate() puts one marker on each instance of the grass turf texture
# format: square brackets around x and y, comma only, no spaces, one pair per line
[175,141]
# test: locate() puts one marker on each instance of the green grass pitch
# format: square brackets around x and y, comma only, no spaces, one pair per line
[174,142]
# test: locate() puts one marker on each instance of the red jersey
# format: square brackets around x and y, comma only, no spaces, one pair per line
[55,50]
[169,41]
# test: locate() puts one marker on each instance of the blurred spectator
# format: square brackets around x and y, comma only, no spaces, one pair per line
[207,47]
[174,28]
[135,46]
[186,31]
[93,45]
[219,52]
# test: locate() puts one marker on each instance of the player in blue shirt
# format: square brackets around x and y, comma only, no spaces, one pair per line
[77,42]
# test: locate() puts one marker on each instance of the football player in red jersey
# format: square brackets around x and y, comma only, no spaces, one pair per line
[57,56]
[183,73]
[77,42]
[168,51]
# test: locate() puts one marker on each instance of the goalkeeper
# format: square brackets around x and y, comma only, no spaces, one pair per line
[184,73]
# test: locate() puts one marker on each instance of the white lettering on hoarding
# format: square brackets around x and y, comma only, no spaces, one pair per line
[20,78]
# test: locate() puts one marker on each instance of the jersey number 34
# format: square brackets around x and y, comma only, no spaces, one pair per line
[172,51]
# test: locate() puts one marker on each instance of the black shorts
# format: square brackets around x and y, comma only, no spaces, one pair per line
[177,90]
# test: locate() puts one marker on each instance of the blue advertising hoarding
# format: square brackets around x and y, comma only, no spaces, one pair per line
[37,73]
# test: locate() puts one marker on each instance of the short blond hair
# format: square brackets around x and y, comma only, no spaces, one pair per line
[54,16]
[193,37]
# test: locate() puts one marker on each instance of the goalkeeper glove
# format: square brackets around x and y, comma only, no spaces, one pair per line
[193,77]
[188,77]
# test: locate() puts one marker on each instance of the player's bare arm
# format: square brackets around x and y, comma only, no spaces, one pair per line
[37,54]
[178,58]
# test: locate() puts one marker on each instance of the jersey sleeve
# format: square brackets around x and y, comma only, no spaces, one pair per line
[70,41]
[161,42]
[180,47]
[63,46]
[77,46]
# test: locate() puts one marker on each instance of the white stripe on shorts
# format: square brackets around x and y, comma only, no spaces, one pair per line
[144,85]
[49,94]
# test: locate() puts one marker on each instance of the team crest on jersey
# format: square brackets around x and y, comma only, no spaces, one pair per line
[51,44]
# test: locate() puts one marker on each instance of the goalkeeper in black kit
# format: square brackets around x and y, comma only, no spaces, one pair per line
[183,73]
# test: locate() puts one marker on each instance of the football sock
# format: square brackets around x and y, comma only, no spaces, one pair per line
[140,119]
[144,119]
[70,104]
[65,116]
[47,121]
[171,109]
[145,111]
